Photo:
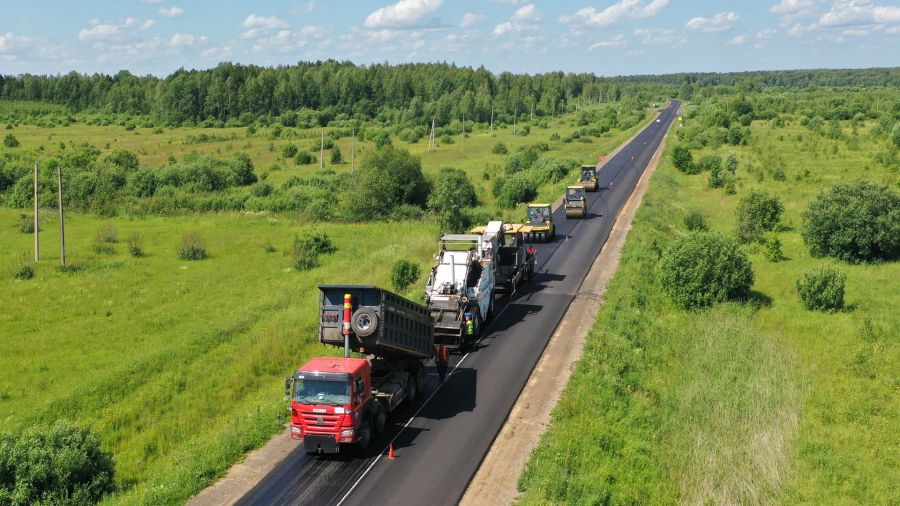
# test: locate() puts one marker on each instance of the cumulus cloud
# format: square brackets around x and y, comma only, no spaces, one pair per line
[620,11]
[471,19]
[737,41]
[271,22]
[100,31]
[186,40]
[403,14]
[794,8]
[859,12]
[171,12]
[768,33]
[721,22]
[659,36]
[525,17]
[304,8]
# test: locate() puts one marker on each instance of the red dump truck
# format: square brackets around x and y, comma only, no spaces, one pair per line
[343,401]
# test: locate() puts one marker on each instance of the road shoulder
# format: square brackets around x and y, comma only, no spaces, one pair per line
[497,477]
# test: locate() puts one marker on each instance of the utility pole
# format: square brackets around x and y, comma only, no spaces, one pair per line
[37,230]
[62,218]
[322,151]
[431,137]
[353,153]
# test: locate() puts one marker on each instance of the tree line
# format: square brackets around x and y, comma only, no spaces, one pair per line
[391,93]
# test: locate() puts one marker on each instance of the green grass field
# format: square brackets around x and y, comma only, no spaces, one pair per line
[755,403]
[178,365]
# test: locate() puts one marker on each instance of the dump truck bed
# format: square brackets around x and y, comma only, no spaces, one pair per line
[404,329]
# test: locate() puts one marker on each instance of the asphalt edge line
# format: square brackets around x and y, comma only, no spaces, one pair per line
[481,481]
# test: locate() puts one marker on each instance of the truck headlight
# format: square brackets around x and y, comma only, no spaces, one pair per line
[348,432]
[296,430]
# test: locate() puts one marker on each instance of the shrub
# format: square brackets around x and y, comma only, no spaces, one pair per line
[682,158]
[192,247]
[336,157]
[452,192]
[108,234]
[515,190]
[262,189]
[289,151]
[10,141]
[499,149]
[778,174]
[703,269]
[822,289]
[136,245]
[25,271]
[757,212]
[26,224]
[390,177]
[695,222]
[404,273]
[895,134]
[307,247]
[731,163]
[858,221]
[772,249]
[60,464]
[304,158]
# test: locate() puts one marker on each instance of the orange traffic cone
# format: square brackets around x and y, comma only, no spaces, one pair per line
[391,452]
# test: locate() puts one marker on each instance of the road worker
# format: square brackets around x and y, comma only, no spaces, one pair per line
[441,358]
[470,327]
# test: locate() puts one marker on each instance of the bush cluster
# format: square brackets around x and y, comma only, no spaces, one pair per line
[854,222]
[308,246]
[703,269]
[192,247]
[60,464]
[757,212]
[822,289]
[404,273]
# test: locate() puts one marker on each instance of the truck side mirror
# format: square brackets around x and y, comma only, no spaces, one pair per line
[288,383]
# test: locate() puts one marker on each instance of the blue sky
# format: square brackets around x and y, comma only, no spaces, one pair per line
[611,37]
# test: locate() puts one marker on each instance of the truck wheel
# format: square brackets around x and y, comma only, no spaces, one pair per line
[364,322]
[380,420]
[364,436]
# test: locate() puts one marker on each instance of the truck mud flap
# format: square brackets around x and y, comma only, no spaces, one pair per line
[320,443]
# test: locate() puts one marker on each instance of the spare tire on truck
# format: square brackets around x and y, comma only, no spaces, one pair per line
[364,322]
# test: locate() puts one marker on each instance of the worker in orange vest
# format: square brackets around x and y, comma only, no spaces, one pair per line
[441,358]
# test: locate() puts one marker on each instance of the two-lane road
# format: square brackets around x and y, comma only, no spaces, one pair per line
[441,442]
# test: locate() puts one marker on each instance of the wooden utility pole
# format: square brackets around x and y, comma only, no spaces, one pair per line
[431,137]
[322,151]
[353,153]
[62,218]
[37,230]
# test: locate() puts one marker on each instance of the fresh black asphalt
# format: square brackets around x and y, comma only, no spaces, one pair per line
[441,448]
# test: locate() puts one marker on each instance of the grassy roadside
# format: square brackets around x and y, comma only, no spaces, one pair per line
[177,364]
[743,403]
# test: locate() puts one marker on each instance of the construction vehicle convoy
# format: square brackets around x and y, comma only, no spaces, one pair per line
[460,288]
[338,401]
[515,261]
[589,178]
[344,401]
[539,225]
[575,202]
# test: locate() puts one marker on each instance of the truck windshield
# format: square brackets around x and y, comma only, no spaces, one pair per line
[321,391]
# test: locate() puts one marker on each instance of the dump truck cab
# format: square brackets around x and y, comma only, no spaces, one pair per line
[539,226]
[589,178]
[576,203]
[514,265]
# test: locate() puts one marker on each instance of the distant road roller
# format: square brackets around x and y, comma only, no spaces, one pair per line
[589,178]
[576,203]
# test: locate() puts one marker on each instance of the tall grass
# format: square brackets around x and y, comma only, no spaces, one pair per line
[756,403]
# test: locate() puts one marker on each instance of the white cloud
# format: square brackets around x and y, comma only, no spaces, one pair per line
[721,22]
[403,14]
[471,19]
[100,31]
[768,33]
[313,32]
[268,23]
[617,41]
[620,11]
[859,12]
[171,12]
[794,8]
[151,1]
[186,40]
[524,18]
[737,41]
[659,36]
